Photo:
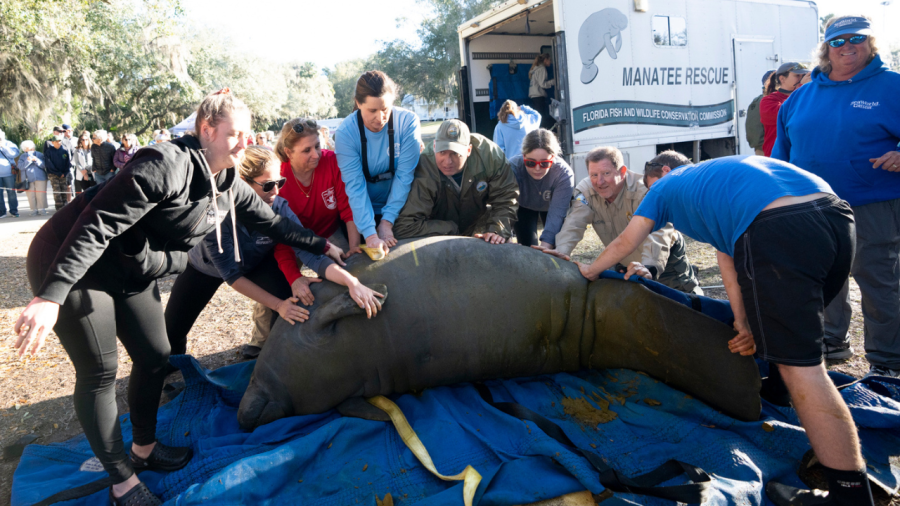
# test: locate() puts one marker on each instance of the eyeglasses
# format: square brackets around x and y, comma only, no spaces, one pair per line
[649,165]
[298,127]
[798,66]
[268,186]
[545,164]
[856,39]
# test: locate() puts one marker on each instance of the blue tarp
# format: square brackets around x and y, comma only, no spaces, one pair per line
[329,459]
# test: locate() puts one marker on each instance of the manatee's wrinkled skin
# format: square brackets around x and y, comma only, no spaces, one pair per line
[461,310]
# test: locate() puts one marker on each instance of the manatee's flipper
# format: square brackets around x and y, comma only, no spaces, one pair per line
[357,407]
[608,45]
[341,306]
[261,405]
[618,46]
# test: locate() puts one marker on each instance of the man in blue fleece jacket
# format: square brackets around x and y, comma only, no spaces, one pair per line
[844,127]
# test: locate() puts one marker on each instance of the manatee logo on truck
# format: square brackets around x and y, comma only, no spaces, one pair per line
[596,34]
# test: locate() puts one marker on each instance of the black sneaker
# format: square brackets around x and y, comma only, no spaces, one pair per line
[139,495]
[15,215]
[163,458]
[785,495]
[837,352]
[875,370]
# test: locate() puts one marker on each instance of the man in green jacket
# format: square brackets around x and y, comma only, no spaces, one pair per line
[463,185]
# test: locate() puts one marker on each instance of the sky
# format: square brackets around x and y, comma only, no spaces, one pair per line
[326,32]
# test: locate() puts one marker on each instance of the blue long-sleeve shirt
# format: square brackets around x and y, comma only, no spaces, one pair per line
[205,256]
[832,129]
[57,161]
[32,171]
[384,197]
[509,135]
[8,154]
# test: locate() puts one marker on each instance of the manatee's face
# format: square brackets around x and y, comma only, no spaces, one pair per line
[618,21]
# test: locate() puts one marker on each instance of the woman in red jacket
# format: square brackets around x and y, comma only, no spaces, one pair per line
[315,192]
[782,82]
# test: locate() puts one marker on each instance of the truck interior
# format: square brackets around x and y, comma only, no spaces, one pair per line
[498,59]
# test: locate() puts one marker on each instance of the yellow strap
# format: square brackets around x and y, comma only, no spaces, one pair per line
[469,476]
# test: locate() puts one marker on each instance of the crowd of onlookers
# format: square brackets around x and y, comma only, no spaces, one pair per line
[66,165]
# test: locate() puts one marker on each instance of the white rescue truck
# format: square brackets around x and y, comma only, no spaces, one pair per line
[641,75]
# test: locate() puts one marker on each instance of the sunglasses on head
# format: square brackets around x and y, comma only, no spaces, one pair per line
[856,39]
[298,127]
[649,165]
[545,164]
[268,186]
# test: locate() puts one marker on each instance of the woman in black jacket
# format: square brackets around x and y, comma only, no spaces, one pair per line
[93,268]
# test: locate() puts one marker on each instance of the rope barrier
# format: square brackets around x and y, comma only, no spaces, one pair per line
[35,191]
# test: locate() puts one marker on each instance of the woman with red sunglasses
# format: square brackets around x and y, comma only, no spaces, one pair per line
[545,188]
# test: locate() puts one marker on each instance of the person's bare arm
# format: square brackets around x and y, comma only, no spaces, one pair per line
[743,343]
[630,239]
[286,308]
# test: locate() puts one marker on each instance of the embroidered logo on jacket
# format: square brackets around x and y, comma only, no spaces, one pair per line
[329,198]
[481,186]
[211,215]
[862,104]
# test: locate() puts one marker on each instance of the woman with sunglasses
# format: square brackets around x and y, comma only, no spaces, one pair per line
[93,268]
[316,194]
[844,127]
[377,149]
[784,81]
[545,188]
[257,275]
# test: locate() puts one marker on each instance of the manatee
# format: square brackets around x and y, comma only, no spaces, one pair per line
[595,35]
[461,310]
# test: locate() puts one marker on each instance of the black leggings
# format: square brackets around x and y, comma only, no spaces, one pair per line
[193,290]
[527,226]
[89,321]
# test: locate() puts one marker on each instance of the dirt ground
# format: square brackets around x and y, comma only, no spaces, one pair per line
[35,393]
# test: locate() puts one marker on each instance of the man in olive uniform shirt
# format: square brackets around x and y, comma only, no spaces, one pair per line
[607,199]
[463,185]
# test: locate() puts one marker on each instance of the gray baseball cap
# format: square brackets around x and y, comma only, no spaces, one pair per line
[453,134]
[793,67]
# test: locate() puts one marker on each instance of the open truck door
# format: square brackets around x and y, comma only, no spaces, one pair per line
[464,102]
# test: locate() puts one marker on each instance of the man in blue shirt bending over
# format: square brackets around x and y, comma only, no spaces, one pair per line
[785,243]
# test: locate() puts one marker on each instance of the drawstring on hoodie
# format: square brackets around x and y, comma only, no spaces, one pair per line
[215,198]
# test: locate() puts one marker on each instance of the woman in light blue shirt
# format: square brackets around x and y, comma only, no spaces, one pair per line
[377,150]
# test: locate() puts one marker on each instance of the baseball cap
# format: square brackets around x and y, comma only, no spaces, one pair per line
[58,129]
[66,127]
[793,67]
[453,134]
[850,24]
[766,76]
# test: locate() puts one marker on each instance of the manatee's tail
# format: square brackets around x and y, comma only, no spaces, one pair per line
[634,328]
[588,72]
[260,406]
